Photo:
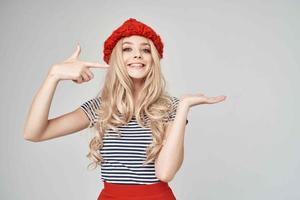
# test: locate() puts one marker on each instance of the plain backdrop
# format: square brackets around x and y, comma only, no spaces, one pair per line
[244,148]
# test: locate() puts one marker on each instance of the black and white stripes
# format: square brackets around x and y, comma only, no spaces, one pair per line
[124,156]
[89,108]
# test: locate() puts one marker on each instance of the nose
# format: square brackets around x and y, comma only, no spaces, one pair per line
[137,54]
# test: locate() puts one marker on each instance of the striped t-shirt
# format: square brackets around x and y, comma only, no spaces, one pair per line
[123,157]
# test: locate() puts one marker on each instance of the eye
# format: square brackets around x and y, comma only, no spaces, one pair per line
[125,49]
[147,50]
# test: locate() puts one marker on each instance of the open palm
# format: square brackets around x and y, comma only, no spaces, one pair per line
[200,98]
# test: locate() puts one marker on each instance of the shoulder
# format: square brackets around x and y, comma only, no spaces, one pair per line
[90,108]
[92,103]
[174,104]
[175,100]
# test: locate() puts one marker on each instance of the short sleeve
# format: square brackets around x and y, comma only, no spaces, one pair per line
[90,107]
[175,102]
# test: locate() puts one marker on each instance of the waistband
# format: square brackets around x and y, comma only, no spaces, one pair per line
[127,189]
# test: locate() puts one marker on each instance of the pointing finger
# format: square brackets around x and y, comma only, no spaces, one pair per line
[95,64]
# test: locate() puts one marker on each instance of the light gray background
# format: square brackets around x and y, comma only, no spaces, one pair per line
[244,148]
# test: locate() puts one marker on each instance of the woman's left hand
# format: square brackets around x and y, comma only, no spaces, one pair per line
[199,98]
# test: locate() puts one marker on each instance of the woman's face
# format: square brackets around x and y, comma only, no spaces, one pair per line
[137,56]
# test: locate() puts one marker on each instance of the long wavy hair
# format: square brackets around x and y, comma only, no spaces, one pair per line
[152,109]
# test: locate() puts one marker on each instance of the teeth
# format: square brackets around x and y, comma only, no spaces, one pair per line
[136,65]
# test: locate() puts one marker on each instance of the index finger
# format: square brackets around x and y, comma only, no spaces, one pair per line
[95,64]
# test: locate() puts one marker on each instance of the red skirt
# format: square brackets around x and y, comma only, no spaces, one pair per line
[155,191]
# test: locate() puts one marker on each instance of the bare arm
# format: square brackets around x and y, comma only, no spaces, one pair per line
[37,126]
[171,155]
[37,118]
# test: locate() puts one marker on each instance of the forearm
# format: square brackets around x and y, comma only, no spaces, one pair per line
[171,155]
[37,118]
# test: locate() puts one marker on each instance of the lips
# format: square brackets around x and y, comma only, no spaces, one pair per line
[136,64]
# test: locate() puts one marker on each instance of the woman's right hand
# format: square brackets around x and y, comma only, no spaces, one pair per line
[74,69]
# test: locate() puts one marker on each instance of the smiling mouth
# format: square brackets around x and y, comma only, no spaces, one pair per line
[136,66]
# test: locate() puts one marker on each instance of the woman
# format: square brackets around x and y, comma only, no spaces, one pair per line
[139,126]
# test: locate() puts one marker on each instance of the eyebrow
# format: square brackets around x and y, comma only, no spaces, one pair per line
[144,43]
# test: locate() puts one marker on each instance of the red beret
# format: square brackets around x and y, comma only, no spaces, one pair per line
[128,28]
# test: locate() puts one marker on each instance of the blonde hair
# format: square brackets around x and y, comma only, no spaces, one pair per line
[152,109]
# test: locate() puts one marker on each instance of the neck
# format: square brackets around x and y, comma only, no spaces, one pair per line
[138,85]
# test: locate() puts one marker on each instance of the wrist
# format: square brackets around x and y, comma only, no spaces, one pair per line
[52,75]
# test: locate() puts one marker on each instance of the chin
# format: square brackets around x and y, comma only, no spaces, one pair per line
[136,74]
[137,78]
